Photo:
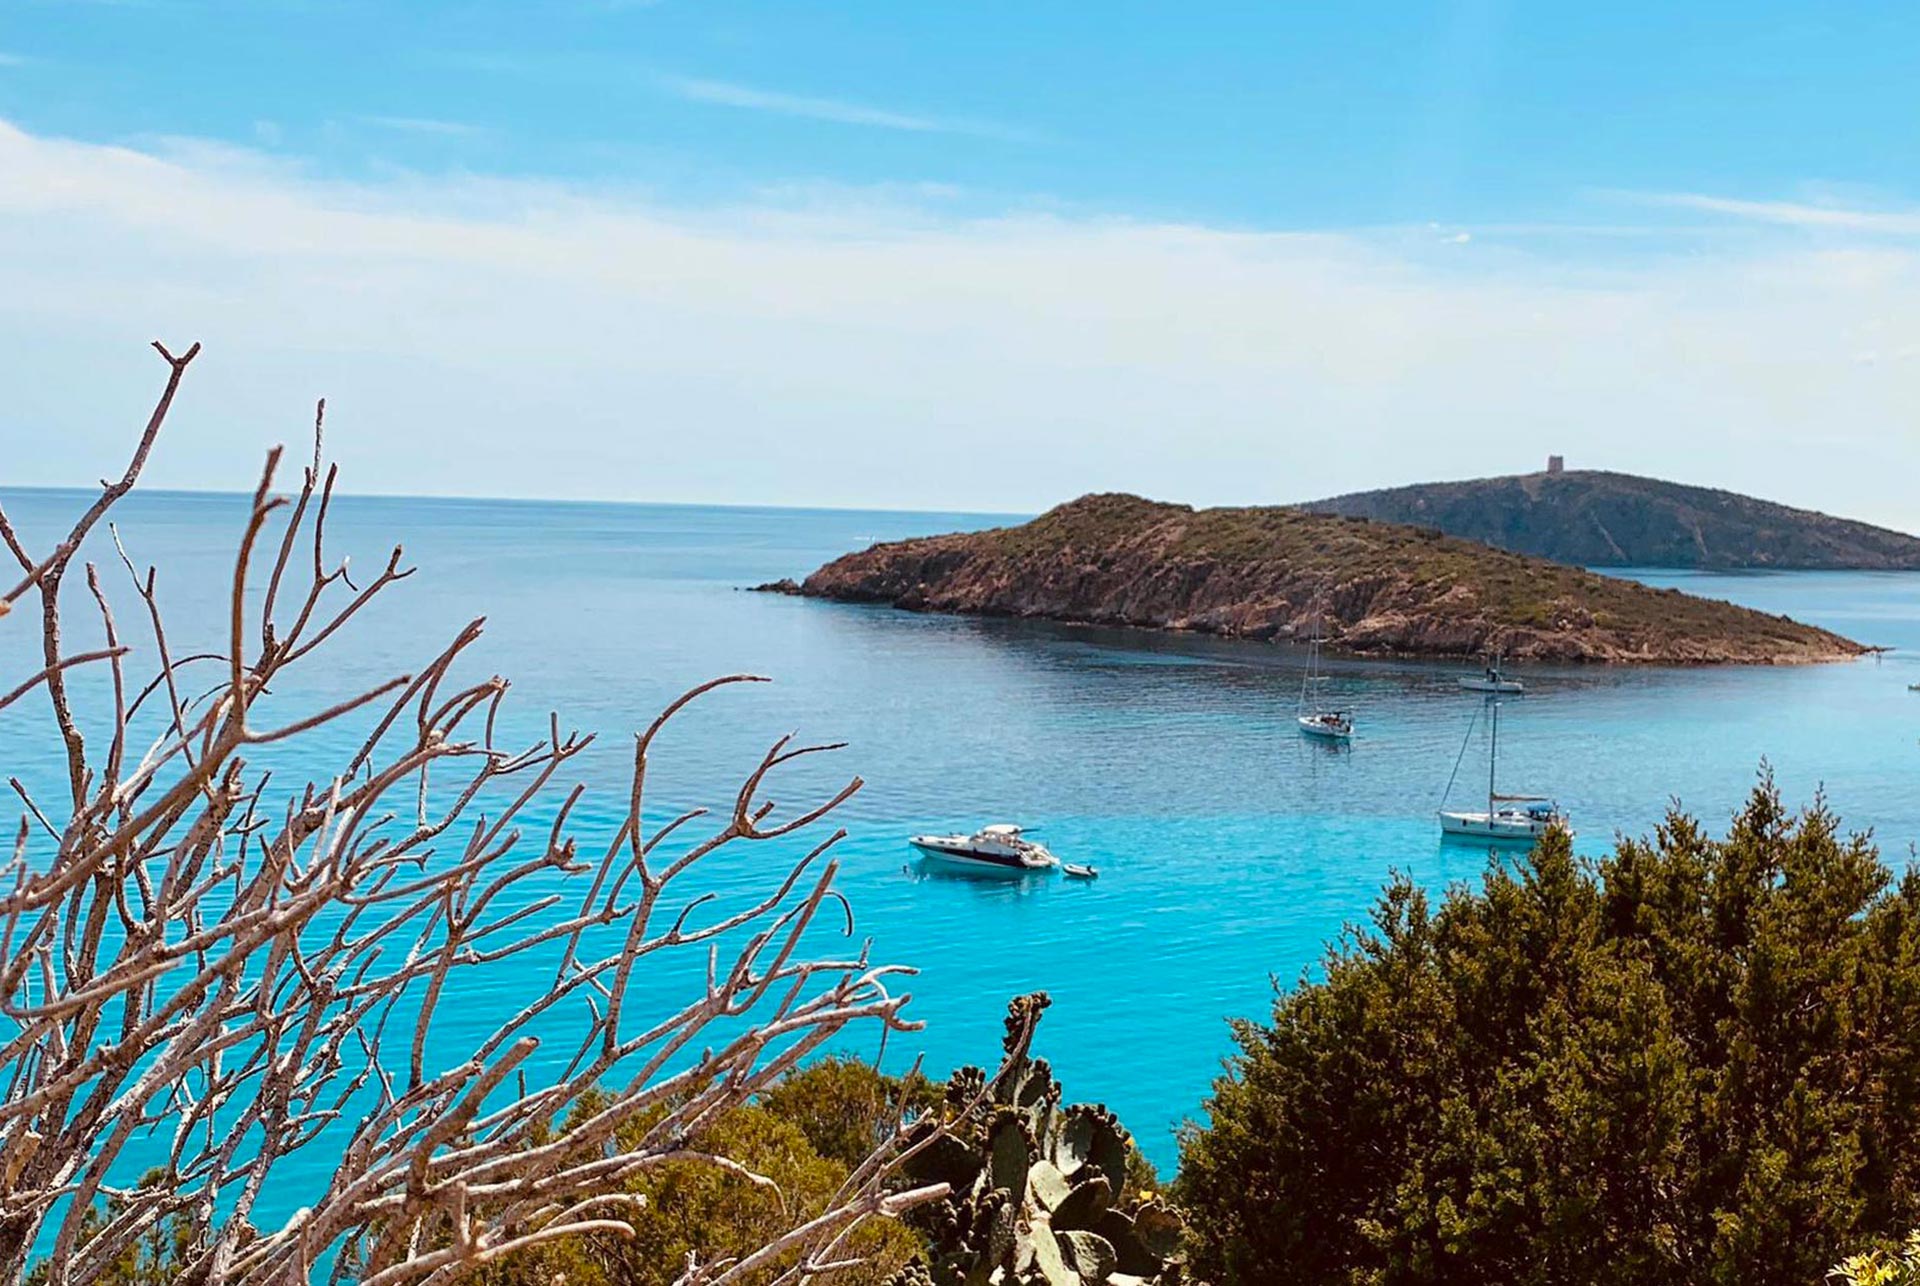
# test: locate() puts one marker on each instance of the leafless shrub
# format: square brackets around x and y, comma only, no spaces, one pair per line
[228,978]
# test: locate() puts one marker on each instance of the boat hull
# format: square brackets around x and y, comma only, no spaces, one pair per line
[1496,827]
[1326,732]
[1508,686]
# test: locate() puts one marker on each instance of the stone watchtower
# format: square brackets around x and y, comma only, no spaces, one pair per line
[1556,464]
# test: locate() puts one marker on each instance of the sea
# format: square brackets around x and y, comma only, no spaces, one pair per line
[1231,850]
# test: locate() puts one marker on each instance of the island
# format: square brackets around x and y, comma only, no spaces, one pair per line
[1594,518]
[1282,572]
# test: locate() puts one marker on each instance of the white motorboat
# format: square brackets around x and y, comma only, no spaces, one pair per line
[999,848]
[1315,718]
[1507,818]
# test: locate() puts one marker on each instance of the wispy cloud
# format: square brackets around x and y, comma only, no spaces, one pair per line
[729,94]
[901,349]
[13,60]
[424,125]
[1793,214]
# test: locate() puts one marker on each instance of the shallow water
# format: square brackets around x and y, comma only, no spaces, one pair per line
[1230,848]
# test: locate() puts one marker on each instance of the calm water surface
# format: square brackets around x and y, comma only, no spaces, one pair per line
[1230,848]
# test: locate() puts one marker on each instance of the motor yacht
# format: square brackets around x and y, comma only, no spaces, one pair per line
[999,848]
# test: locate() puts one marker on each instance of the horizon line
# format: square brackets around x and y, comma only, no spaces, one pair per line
[464,497]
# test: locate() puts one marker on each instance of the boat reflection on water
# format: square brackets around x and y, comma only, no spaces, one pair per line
[984,885]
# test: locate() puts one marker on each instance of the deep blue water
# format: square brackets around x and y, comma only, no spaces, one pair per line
[1231,849]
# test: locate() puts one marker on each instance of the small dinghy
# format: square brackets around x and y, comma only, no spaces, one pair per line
[1080,872]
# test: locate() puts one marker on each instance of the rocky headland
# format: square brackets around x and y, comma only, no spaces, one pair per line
[1272,573]
[1594,518]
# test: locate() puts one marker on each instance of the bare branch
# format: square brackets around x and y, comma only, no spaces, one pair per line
[203,976]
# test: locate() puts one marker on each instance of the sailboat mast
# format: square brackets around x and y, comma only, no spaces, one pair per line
[1309,699]
[1306,680]
[1493,756]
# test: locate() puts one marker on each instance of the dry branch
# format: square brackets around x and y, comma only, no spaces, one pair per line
[211,979]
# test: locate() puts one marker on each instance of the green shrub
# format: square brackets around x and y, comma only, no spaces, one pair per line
[155,1259]
[806,1135]
[1898,1266]
[846,1108]
[1694,1061]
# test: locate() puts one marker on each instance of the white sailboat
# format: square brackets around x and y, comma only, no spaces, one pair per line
[1314,716]
[1491,679]
[1507,818]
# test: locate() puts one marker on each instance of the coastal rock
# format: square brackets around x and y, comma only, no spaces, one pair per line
[1271,573]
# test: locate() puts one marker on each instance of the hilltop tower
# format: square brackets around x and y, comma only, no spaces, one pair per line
[1556,464]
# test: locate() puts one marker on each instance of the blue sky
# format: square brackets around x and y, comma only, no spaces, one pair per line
[1295,114]
[874,254]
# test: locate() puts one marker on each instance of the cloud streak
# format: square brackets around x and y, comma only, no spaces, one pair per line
[1794,214]
[424,125]
[500,337]
[723,93]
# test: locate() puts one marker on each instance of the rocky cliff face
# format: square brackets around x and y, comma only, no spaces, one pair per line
[1598,519]
[1271,572]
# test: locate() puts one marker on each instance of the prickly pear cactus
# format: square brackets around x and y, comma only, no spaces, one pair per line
[1039,1190]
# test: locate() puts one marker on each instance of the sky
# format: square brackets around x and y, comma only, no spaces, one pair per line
[976,256]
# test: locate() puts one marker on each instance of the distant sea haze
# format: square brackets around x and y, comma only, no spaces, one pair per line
[1230,848]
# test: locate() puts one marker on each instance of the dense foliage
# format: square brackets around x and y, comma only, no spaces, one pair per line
[1694,1061]
[807,1134]
[1891,1266]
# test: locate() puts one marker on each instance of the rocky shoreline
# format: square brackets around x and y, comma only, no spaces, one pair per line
[1272,573]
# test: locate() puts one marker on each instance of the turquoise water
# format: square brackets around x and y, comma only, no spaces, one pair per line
[1231,849]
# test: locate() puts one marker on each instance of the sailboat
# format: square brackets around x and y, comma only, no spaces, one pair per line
[1507,818]
[1491,679]
[1314,718]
